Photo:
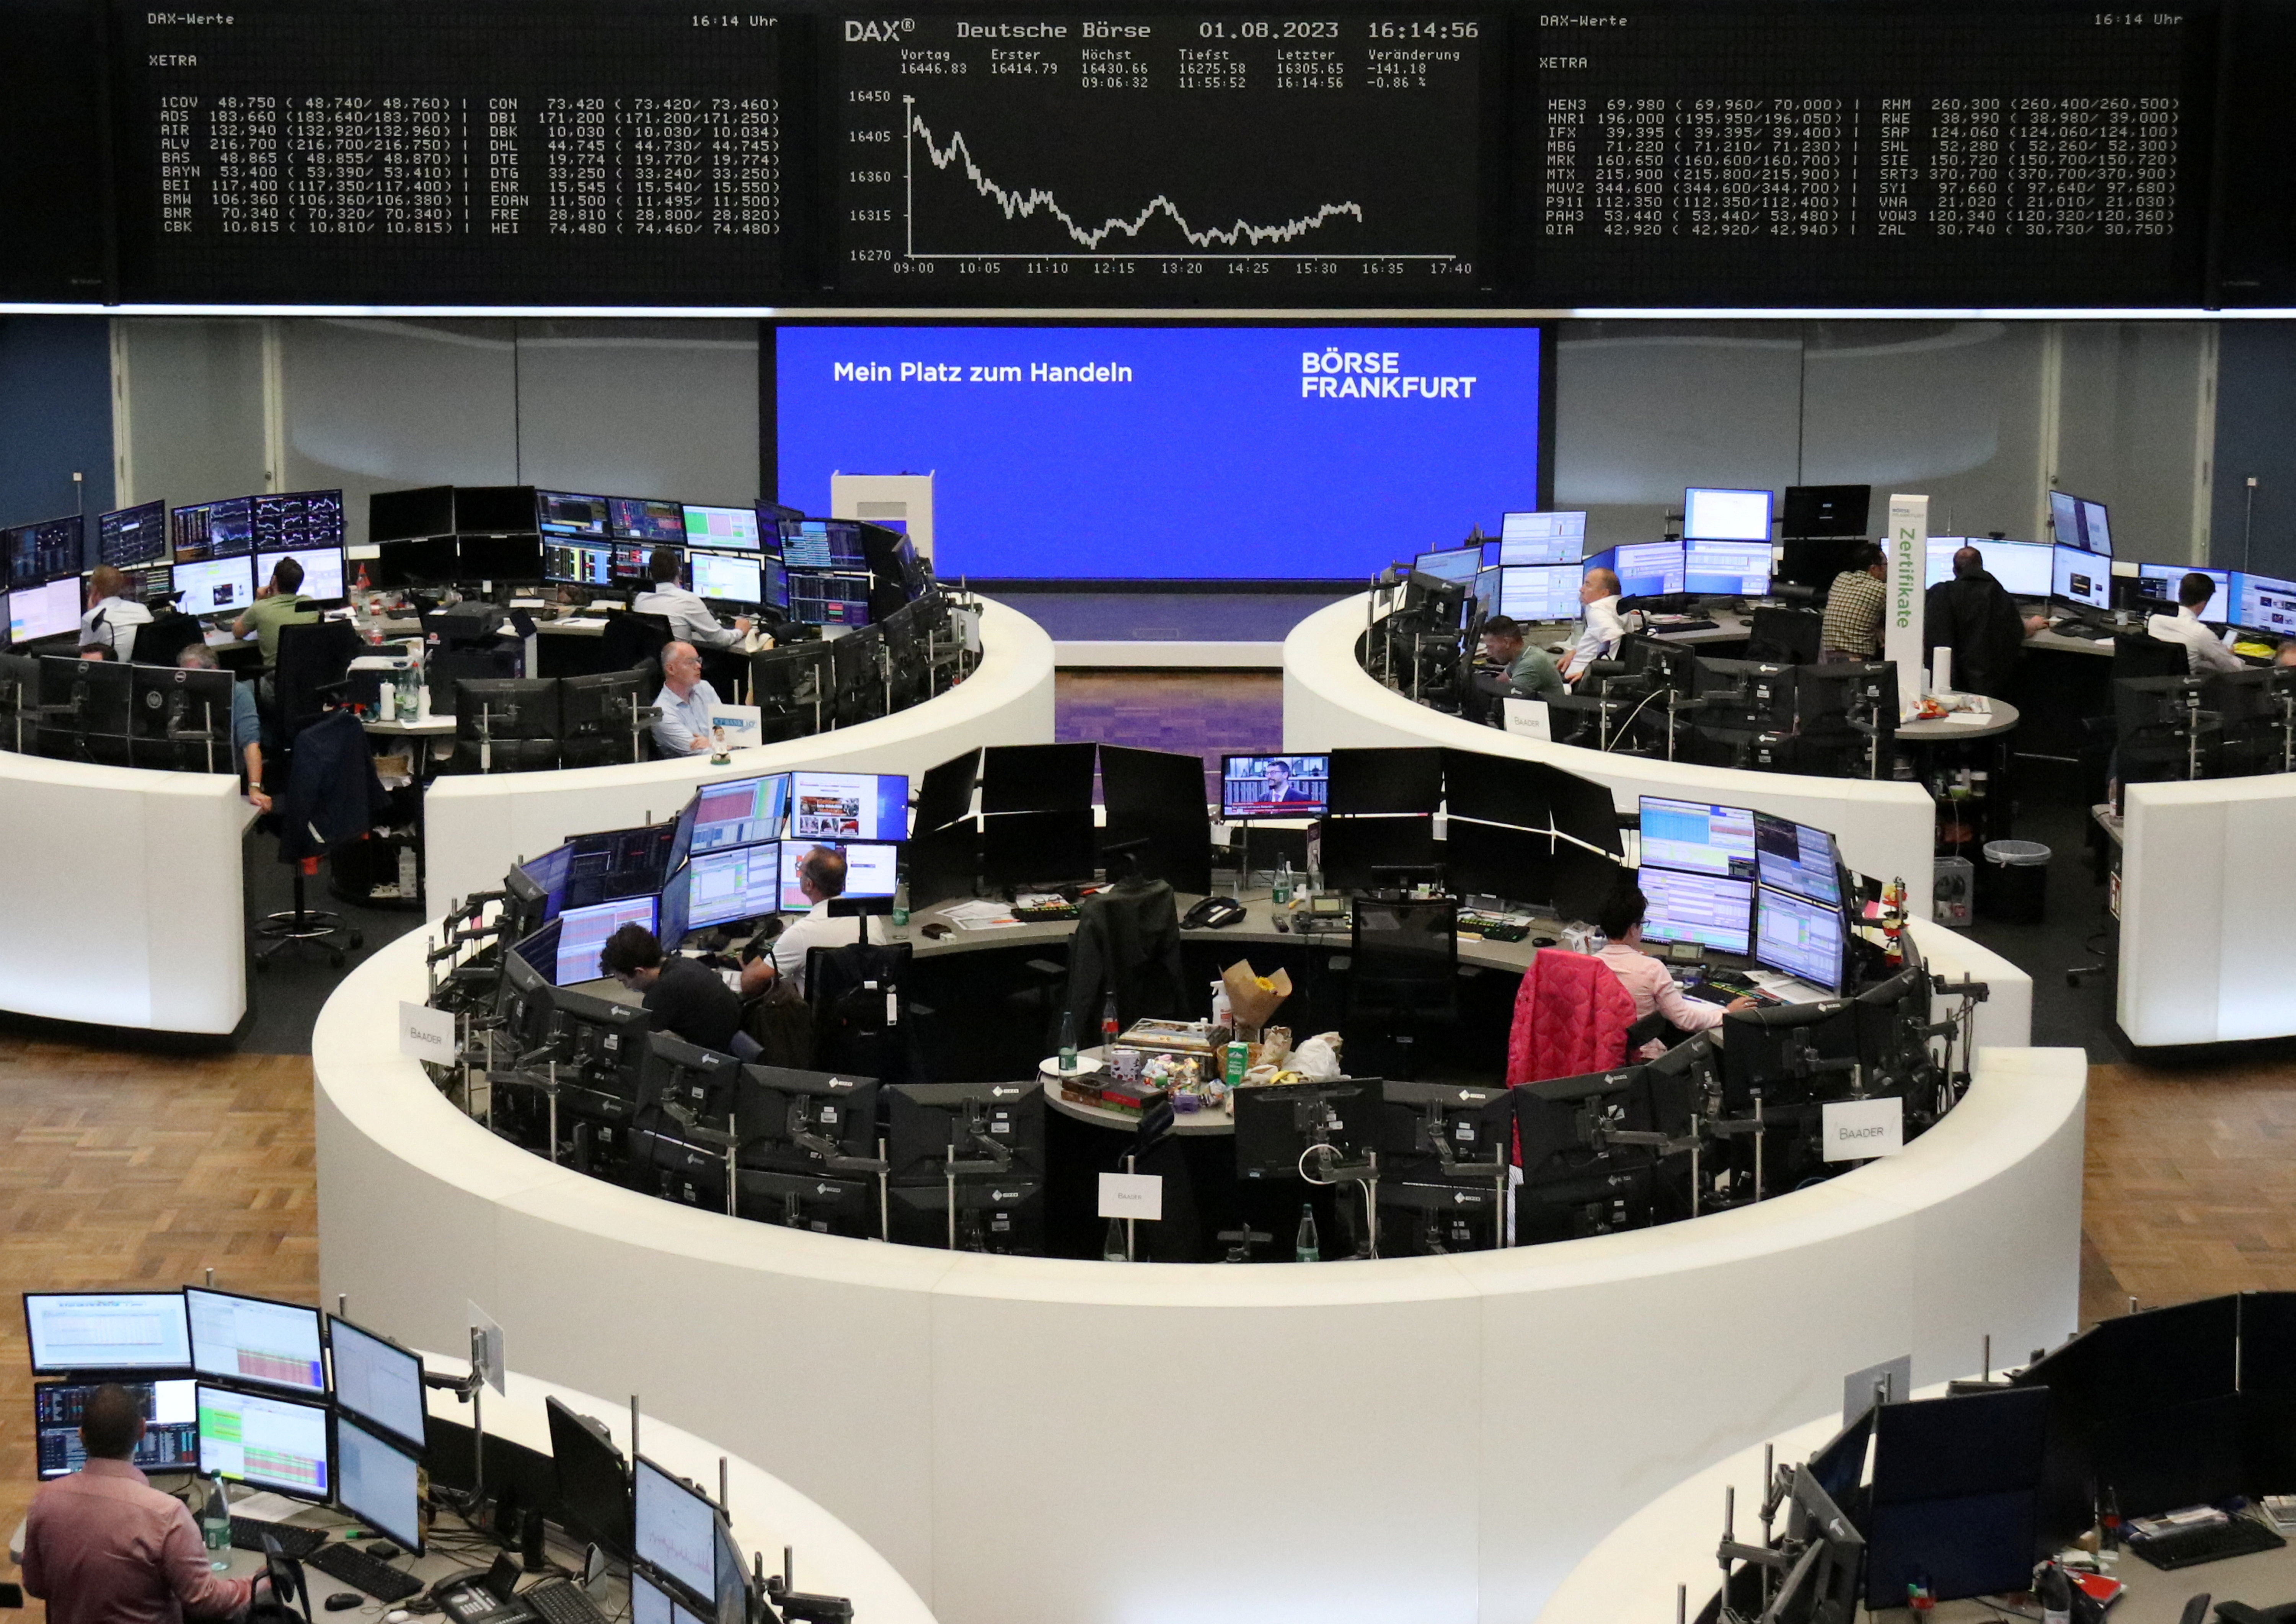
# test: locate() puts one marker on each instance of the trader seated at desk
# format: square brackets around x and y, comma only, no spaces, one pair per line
[1852,628]
[1974,615]
[1530,672]
[686,701]
[278,601]
[2203,651]
[1646,980]
[688,616]
[820,875]
[246,726]
[1604,628]
[686,998]
[109,626]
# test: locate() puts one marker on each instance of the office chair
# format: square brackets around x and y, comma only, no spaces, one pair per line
[1127,942]
[1403,970]
[310,673]
[163,641]
[632,640]
[331,796]
[1784,636]
[1571,1016]
[2141,654]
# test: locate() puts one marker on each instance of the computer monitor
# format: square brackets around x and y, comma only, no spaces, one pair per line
[2081,578]
[2025,568]
[1558,1123]
[1003,1217]
[644,519]
[650,1603]
[2263,603]
[1798,860]
[819,597]
[945,793]
[1492,860]
[1037,778]
[1276,1125]
[1696,838]
[848,806]
[1274,786]
[728,528]
[1702,908]
[723,578]
[377,1482]
[126,537]
[73,1332]
[582,934]
[575,565]
[1726,568]
[1451,564]
[561,512]
[1409,779]
[823,544]
[323,570]
[1816,511]
[1649,569]
[672,1529]
[216,585]
[272,1443]
[1955,1485]
[2162,582]
[1790,1052]
[730,813]
[1799,937]
[808,1201]
[806,1122]
[1542,538]
[1726,515]
[717,888]
[1840,1466]
[609,864]
[2077,521]
[377,1381]
[594,1483]
[171,1425]
[1447,1132]
[1151,795]
[49,551]
[632,562]
[1534,594]
[43,611]
[297,521]
[985,1123]
[212,530]
[255,1340]
[871,869]
[732,1582]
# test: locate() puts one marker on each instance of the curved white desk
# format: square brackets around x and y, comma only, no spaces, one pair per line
[764,1513]
[2204,867]
[1329,701]
[1040,1439]
[476,826]
[121,896]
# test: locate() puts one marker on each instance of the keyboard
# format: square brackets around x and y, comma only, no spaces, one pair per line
[247,1535]
[362,1572]
[2240,1536]
[559,1602]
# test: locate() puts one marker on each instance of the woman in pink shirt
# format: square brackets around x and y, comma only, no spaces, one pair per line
[1646,980]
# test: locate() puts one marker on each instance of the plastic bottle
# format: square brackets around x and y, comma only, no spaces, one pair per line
[1284,884]
[1112,1250]
[901,903]
[2055,1593]
[1068,1040]
[214,1518]
[1307,1249]
[1108,1023]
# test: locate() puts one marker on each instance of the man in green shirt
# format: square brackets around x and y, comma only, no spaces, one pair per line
[1530,672]
[280,603]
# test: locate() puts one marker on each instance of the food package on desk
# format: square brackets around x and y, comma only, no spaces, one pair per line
[1185,1037]
[1253,997]
[1118,1095]
[1318,1060]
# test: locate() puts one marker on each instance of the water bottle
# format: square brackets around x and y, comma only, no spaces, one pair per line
[214,1518]
[1307,1249]
[1284,884]
[2055,1593]
[901,905]
[1112,1250]
[1068,1040]
[1108,1024]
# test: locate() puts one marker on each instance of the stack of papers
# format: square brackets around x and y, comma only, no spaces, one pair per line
[979,915]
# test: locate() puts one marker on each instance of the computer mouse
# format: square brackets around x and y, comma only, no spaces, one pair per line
[343,1601]
[1542,941]
[382,1550]
[397,1615]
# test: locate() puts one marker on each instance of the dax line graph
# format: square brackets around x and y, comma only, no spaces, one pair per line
[1021,205]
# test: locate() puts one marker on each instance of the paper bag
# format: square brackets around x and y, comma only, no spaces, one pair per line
[1253,997]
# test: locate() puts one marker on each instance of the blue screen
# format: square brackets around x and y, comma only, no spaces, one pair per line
[1171,452]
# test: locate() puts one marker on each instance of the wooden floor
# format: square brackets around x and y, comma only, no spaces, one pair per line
[135,1169]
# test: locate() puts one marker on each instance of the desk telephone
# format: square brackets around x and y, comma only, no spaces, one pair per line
[475,1597]
[1212,913]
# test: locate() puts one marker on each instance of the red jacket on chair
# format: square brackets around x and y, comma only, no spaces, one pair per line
[1571,1018]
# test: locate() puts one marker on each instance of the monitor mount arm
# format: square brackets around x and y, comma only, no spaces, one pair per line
[1331,1168]
[726,1141]
[834,1157]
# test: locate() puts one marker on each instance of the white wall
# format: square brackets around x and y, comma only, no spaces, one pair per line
[120,899]
[476,826]
[2204,870]
[1032,1440]
[1885,829]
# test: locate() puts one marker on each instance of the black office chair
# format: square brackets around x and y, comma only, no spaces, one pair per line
[2141,654]
[163,641]
[1127,942]
[1403,972]
[632,641]
[1784,636]
[329,795]
[310,673]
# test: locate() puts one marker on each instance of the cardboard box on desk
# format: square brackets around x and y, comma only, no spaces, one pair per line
[1253,998]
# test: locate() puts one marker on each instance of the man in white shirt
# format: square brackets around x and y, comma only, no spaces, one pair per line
[2203,650]
[111,618]
[689,617]
[1604,628]
[685,702]
[820,875]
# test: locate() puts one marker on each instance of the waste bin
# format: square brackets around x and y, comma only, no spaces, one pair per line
[2013,883]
